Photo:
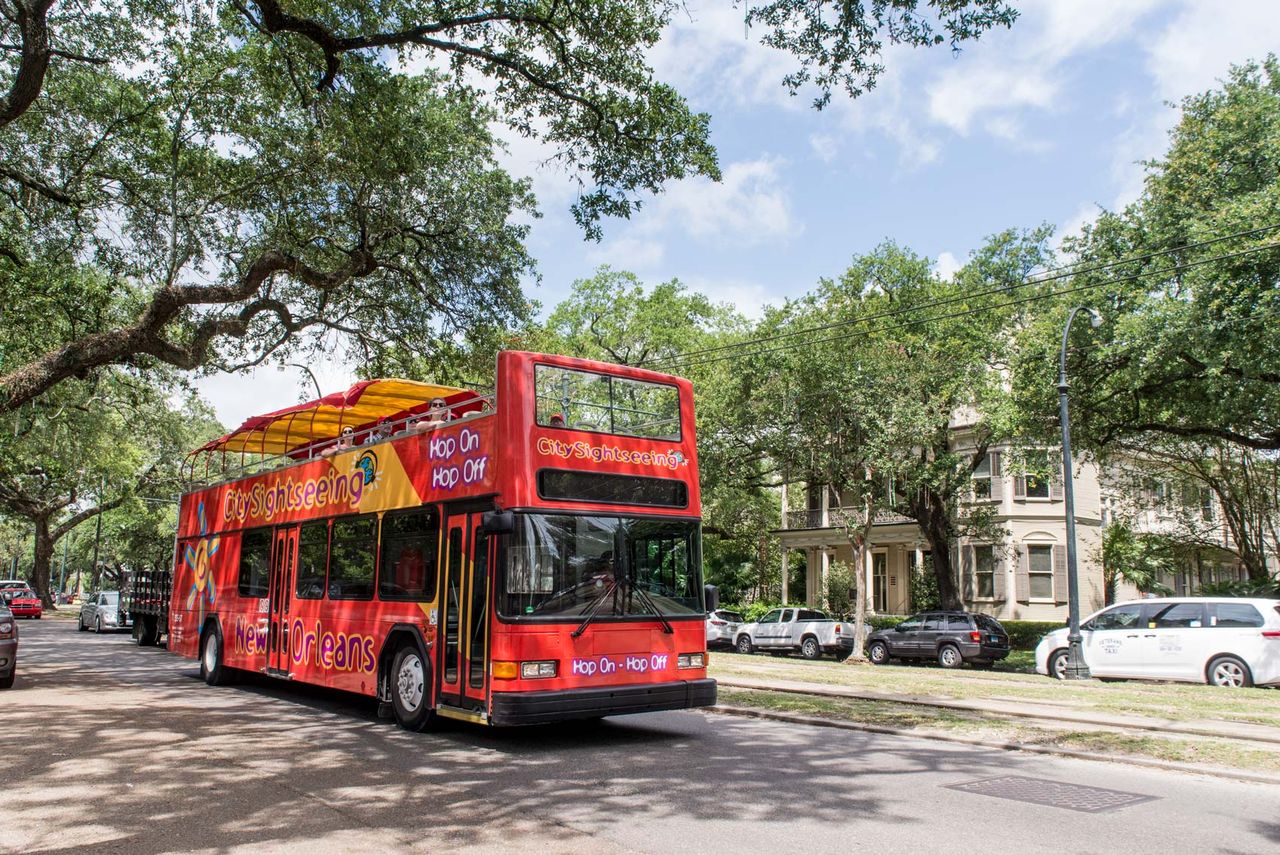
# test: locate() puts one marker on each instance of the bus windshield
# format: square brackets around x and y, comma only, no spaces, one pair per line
[567,566]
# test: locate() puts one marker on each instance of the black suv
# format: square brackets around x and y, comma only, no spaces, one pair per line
[949,637]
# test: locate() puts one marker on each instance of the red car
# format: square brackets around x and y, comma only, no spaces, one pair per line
[24,603]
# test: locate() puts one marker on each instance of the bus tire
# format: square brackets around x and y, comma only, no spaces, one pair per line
[213,666]
[410,682]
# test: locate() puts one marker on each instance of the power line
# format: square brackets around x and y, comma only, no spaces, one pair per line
[686,363]
[683,359]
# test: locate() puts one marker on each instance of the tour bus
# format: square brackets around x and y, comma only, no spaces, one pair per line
[526,556]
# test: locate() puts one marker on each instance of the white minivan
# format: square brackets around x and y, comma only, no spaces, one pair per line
[1216,640]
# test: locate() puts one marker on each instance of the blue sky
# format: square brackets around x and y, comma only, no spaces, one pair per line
[1041,123]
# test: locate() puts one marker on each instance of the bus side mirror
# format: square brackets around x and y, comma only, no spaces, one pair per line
[712,595]
[498,522]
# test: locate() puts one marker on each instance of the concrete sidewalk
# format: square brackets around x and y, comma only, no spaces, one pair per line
[1024,709]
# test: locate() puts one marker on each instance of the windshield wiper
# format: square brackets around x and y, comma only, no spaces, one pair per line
[649,603]
[595,607]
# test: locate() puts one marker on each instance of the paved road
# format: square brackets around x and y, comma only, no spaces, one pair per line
[125,750]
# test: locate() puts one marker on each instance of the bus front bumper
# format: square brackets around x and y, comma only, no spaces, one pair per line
[565,704]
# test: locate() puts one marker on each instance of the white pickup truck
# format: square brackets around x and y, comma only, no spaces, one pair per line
[808,631]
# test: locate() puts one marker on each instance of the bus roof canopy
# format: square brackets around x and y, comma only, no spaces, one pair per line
[359,408]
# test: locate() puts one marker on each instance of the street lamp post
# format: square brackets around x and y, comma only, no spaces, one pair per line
[1076,667]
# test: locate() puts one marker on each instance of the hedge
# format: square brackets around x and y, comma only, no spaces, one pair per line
[1023,634]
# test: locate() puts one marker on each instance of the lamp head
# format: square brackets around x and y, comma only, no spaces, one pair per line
[1095,319]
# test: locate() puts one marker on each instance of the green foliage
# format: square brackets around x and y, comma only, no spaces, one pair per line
[215,185]
[1026,634]
[1242,588]
[1139,559]
[1187,349]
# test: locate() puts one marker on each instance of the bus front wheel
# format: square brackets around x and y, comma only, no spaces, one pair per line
[409,694]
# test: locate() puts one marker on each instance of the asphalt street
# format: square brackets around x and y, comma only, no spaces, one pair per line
[111,748]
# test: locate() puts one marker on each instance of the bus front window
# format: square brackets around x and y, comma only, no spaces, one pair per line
[561,565]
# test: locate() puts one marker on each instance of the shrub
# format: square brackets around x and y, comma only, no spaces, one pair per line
[1242,588]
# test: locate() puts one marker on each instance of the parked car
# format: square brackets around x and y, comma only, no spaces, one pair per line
[8,648]
[23,602]
[722,627]
[101,612]
[808,631]
[950,638]
[1217,640]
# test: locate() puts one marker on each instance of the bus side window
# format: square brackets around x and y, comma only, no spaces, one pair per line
[255,554]
[352,553]
[313,559]
[408,567]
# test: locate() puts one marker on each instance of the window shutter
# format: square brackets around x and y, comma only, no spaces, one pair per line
[1022,576]
[1020,486]
[997,481]
[1059,574]
[998,580]
[966,573]
[1055,482]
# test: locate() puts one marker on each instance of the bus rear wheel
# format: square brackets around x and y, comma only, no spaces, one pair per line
[409,692]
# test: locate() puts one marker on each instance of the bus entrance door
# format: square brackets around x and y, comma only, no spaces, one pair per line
[464,656]
[283,558]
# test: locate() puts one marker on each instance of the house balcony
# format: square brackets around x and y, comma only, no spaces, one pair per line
[836,518]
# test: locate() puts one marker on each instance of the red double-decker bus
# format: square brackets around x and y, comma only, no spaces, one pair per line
[528,556]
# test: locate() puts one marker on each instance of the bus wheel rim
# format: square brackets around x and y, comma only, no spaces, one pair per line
[409,683]
[210,653]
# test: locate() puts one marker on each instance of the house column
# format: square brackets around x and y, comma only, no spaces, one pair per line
[906,595]
[870,590]
[826,568]
[786,554]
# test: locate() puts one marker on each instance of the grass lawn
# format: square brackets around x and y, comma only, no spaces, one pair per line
[926,720]
[1015,680]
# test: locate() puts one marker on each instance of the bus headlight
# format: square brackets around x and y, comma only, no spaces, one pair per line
[535,670]
[691,660]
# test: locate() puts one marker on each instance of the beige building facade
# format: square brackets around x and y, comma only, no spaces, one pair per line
[1021,576]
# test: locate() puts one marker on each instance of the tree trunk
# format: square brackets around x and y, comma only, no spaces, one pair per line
[930,513]
[859,538]
[43,554]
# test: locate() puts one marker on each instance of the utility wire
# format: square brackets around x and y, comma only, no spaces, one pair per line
[1062,273]
[686,362]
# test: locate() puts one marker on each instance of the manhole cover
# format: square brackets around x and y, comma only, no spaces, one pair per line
[1040,791]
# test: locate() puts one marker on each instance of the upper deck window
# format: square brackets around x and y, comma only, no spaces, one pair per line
[584,400]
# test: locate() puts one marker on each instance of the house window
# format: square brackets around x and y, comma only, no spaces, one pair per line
[987,470]
[1038,484]
[1040,566]
[984,569]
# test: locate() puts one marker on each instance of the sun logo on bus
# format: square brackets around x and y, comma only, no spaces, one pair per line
[367,466]
[197,556]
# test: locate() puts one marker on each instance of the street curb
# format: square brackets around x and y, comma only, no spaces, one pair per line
[1066,717]
[839,724]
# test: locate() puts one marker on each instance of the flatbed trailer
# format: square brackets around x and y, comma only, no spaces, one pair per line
[148,595]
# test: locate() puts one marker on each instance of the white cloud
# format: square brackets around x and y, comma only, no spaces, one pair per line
[1023,69]
[633,253]
[1194,51]
[743,295]
[710,57]
[751,205]
[236,397]
[947,265]
[825,146]
[954,100]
